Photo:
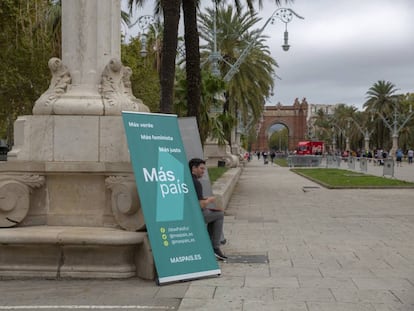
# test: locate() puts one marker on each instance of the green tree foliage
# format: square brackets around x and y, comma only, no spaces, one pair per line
[25,49]
[406,139]
[347,122]
[211,123]
[279,140]
[381,98]
[145,79]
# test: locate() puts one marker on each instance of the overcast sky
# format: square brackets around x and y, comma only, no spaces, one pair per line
[341,49]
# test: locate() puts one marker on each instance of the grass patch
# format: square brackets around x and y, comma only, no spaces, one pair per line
[281,162]
[216,172]
[337,178]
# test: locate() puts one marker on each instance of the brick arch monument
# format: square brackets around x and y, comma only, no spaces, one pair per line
[293,117]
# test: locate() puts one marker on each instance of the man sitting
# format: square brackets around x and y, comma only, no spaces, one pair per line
[214,218]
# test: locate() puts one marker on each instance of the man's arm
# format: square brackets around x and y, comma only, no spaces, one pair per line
[206,201]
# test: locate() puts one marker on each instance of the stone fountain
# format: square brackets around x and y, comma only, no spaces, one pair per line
[68,200]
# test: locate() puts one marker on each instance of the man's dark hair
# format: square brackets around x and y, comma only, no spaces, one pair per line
[195,162]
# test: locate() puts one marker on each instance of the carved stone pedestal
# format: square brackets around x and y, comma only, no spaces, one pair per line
[68,187]
[65,174]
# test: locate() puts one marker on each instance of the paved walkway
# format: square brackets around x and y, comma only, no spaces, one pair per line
[327,250]
[290,249]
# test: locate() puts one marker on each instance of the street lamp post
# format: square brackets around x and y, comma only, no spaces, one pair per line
[333,141]
[394,128]
[343,132]
[364,132]
[283,14]
[144,23]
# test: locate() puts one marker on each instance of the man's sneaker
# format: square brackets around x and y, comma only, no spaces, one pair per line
[219,254]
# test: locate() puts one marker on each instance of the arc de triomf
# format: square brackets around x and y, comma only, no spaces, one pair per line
[293,117]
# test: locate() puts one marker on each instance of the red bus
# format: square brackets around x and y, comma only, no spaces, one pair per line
[310,147]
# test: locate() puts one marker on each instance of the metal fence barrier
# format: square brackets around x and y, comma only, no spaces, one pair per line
[333,161]
[304,160]
[363,164]
[351,163]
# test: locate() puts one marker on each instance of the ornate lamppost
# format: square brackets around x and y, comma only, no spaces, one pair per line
[341,131]
[283,14]
[144,23]
[364,131]
[394,127]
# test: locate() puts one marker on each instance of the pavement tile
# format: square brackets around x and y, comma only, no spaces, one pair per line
[249,305]
[194,304]
[281,263]
[271,282]
[278,251]
[368,296]
[303,294]
[242,269]
[393,307]
[295,271]
[248,293]
[347,272]
[223,280]
[317,306]
[200,291]
[406,296]
[383,283]
[176,291]
[399,272]
[329,263]
[329,282]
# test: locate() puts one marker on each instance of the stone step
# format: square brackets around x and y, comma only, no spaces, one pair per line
[74,252]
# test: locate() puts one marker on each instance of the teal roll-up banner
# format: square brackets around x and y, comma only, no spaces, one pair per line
[179,240]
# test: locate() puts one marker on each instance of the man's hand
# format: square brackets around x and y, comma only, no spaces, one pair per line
[204,202]
[211,200]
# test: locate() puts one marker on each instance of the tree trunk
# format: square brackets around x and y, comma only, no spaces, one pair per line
[171,12]
[192,55]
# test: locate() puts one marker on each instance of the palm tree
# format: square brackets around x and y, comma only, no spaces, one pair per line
[322,125]
[360,125]
[192,55]
[247,90]
[381,98]
[341,122]
[171,13]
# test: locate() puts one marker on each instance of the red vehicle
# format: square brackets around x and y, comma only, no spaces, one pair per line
[310,147]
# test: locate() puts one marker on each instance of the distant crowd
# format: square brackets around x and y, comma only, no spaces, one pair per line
[377,155]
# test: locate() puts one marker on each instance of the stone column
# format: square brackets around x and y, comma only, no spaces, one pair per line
[90,38]
[90,79]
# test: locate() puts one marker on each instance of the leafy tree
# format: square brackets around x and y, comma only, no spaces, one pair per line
[279,140]
[145,78]
[406,139]
[25,49]
[380,99]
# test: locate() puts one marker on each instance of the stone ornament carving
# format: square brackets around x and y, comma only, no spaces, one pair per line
[59,83]
[116,90]
[15,197]
[126,205]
